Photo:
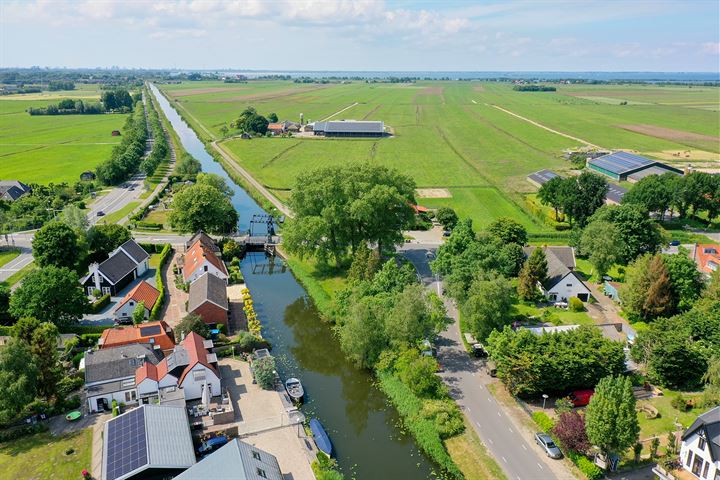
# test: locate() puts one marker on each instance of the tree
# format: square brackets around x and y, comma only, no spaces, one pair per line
[138,315]
[192,323]
[647,292]
[550,194]
[638,233]
[43,346]
[18,379]
[56,244]
[508,231]
[362,336]
[447,217]
[365,264]
[50,294]
[653,193]
[216,181]
[187,165]
[409,320]
[264,372]
[103,239]
[272,117]
[712,290]
[24,329]
[420,376]
[686,281]
[610,418]
[382,213]
[488,306]
[527,284]
[578,197]
[570,432]
[5,317]
[203,207]
[600,241]
[74,218]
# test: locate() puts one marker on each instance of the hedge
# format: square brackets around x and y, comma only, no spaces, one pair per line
[588,468]
[164,254]
[154,247]
[14,433]
[148,226]
[101,303]
[543,421]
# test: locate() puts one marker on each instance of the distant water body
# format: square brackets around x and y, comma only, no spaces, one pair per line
[604,76]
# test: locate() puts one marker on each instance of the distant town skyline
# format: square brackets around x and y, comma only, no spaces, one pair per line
[364,35]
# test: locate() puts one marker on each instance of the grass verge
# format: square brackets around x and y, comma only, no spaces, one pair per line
[20,274]
[471,456]
[117,215]
[7,255]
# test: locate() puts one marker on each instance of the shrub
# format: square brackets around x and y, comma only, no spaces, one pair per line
[76,359]
[157,308]
[115,408]
[563,405]
[576,305]
[100,303]
[446,415]
[264,371]
[148,226]
[680,402]
[14,433]
[69,384]
[89,339]
[543,421]
[588,468]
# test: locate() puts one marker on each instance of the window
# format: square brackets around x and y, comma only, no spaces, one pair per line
[205,268]
[701,443]
[127,396]
[689,458]
[256,455]
[705,470]
[132,304]
[199,375]
[106,290]
[697,465]
[568,284]
[261,473]
[90,290]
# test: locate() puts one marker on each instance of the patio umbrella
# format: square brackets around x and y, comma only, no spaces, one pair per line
[206,395]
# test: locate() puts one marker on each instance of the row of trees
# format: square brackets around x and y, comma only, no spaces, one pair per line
[160,151]
[126,157]
[204,206]
[118,100]
[252,122]
[55,85]
[69,106]
[187,166]
[534,88]
[577,198]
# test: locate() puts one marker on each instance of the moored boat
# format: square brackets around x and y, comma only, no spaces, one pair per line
[295,389]
[321,437]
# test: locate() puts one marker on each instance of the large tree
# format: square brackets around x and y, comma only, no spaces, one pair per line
[611,420]
[18,379]
[581,196]
[686,281]
[409,321]
[214,180]
[50,294]
[488,306]
[638,233]
[103,239]
[653,193]
[447,217]
[192,323]
[362,336]
[508,230]
[600,242]
[43,346]
[647,292]
[203,207]
[56,244]
[550,194]
[534,270]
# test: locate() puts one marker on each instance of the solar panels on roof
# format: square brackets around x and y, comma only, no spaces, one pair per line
[542,177]
[621,162]
[150,331]
[126,444]
[355,126]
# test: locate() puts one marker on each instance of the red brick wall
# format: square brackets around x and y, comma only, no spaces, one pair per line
[211,313]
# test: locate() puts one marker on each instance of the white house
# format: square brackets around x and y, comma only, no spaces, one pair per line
[201,258]
[562,281]
[700,450]
[142,292]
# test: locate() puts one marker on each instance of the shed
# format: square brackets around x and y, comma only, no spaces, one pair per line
[541,177]
[115,133]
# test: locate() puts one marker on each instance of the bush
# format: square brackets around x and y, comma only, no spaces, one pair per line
[14,433]
[81,329]
[680,402]
[587,467]
[543,421]
[264,372]
[76,359]
[576,305]
[148,226]
[68,385]
[101,303]
[157,308]
[446,415]
[89,339]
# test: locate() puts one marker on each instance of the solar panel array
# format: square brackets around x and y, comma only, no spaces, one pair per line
[543,176]
[621,162]
[126,444]
[149,331]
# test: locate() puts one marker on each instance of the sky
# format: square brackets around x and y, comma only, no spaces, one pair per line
[361,35]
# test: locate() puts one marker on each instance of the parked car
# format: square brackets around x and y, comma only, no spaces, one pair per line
[491,368]
[675,243]
[580,398]
[446,233]
[548,446]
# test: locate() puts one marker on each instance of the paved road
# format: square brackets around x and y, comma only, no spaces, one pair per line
[514,450]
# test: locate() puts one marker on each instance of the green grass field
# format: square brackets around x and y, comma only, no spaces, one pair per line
[450,135]
[52,148]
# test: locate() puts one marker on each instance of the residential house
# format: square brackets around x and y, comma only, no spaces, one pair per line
[208,298]
[562,281]
[142,292]
[11,190]
[126,263]
[203,257]
[201,236]
[235,459]
[276,128]
[150,442]
[707,257]
[110,374]
[700,449]
[153,334]
[189,367]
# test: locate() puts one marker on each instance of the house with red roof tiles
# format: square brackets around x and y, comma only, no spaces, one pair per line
[142,292]
[707,257]
[201,258]
[156,334]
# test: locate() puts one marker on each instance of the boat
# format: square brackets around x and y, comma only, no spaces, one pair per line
[294,389]
[321,437]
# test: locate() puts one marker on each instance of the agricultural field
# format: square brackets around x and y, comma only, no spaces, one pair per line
[452,136]
[52,148]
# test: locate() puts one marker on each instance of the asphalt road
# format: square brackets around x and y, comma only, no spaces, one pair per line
[515,452]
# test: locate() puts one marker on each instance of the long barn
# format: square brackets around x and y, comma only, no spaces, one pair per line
[349,128]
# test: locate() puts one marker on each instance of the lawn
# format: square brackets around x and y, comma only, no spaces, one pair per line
[560,315]
[668,416]
[471,456]
[52,148]
[8,254]
[154,260]
[42,456]
[20,274]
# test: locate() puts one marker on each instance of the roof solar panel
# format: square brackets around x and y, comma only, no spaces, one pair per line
[126,444]
[150,331]
[621,162]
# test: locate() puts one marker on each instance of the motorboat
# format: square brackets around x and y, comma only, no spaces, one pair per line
[295,389]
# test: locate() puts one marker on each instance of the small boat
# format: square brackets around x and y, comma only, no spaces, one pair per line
[73,416]
[294,389]
[321,437]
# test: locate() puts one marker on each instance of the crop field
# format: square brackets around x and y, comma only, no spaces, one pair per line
[52,148]
[450,135]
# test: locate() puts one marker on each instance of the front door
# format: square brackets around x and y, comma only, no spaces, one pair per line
[102,404]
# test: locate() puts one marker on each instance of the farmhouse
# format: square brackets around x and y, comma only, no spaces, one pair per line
[276,128]
[142,292]
[208,298]
[349,128]
[623,166]
[110,374]
[11,190]
[700,449]
[233,458]
[153,334]
[561,282]
[150,442]
[541,177]
[203,256]
[124,264]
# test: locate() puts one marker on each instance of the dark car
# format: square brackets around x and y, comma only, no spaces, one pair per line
[548,446]
[100,213]
[447,233]
[675,243]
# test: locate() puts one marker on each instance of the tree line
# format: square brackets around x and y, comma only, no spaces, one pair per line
[55,85]
[534,88]
[252,122]
[117,100]
[160,151]
[126,157]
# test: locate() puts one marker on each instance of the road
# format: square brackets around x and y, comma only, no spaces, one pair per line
[513,449]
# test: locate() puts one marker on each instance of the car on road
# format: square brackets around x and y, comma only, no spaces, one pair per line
[429,255]
[446,233]
[548,446]
[131,189]
[100,213]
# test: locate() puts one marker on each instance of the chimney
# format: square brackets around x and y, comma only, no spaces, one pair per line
[94,269]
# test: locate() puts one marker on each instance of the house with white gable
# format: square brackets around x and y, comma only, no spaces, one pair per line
[562,281]
[700,449]
[201,257]
[126,263]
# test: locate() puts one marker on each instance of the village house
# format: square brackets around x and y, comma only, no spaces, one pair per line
[707,257]
[236,459]
[700,449]
[203,256]
[126,263]
[562,281]
[11,190]
[153,334]
[87,176]
[143,293]
[208,299]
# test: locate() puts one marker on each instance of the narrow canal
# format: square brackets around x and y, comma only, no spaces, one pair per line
[364,429]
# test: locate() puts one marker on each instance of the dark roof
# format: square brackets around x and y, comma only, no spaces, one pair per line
[135,251]
[236,460]
[205,239]
[13,189]
[709,424]
[658,169]
[118,362]
[353,126]
[117,267]
[207,288]
[542,177]
[622,162]
[560,262]
[615,193]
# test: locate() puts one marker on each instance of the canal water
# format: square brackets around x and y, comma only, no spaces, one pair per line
[364,429]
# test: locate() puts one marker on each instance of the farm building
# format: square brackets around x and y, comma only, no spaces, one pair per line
[623,166]
[542,177]
[276,128]
[11,190]
[349,128]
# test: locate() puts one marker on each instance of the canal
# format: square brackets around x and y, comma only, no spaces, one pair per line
[364,429]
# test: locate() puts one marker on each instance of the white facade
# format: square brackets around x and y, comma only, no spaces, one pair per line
[192,385]
[147,387]
[127,310]
[568,286]
[206,267]
[696,458]
[122,390]
[167,381]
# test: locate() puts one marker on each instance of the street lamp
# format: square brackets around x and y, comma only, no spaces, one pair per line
[545,397]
